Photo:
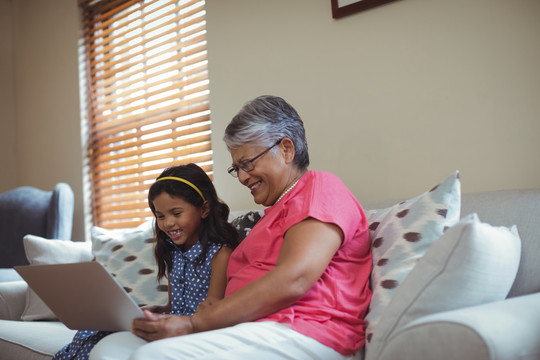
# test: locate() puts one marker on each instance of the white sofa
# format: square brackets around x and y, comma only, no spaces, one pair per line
[505,328]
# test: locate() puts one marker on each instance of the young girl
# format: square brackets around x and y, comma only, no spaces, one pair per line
[194,242]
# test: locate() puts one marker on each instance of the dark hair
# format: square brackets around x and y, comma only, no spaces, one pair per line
[265,120]
[215,228]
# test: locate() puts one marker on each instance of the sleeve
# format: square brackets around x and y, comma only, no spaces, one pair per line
[325,198]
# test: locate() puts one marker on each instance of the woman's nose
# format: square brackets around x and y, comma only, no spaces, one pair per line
[243,176]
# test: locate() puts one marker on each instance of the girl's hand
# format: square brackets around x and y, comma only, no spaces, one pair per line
[158,326]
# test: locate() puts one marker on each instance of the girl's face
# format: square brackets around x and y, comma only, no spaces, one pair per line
[179,219]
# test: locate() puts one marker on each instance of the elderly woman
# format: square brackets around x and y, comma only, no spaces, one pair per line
[298,285]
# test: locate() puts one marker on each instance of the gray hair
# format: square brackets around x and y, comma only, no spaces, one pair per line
[265,120]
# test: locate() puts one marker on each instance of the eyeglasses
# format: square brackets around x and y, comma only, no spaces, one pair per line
[248,166]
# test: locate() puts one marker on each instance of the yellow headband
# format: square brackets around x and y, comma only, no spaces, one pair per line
[184,181]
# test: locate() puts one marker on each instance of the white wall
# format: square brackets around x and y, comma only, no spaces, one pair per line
[46,97]
[8,179]
[395,98]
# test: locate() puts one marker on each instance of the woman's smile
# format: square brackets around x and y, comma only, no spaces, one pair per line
[254,186]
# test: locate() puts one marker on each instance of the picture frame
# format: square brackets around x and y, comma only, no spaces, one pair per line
[341,8]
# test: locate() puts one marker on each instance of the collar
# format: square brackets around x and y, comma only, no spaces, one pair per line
[191,254]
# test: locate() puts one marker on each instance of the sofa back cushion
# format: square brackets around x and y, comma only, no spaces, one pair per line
[507,208]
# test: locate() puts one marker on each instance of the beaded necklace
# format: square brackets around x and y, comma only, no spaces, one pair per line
[288,189]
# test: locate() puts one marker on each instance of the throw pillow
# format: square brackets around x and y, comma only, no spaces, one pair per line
[129,255]
[401,234]
[473,263]
[245,221]
[48,251]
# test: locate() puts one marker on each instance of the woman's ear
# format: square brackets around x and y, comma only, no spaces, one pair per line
[287,148]
[205,209]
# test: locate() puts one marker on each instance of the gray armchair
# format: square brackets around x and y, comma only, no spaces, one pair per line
[28,210]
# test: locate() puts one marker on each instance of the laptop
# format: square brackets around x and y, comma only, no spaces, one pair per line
[84,296]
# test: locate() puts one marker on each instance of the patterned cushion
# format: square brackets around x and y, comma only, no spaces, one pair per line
[129,256]
[472,263]
[401,234]
[244,221]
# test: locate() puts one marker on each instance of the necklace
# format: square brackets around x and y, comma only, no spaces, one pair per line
[286,191]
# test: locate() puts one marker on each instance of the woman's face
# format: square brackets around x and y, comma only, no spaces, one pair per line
[268,179]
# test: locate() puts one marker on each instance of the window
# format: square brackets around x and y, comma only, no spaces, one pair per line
[146,94]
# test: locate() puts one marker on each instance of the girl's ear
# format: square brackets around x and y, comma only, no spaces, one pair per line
[287,148]
[205,209]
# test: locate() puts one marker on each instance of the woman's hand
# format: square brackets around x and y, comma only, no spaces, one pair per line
[158,326]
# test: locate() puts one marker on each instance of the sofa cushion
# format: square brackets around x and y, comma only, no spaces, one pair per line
[49,251]
[472,263]
[7,275]
[32,340]
[129,255]
[506,208]
[401,234]
[12,299]
[505,329]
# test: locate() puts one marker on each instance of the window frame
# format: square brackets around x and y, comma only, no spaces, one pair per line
[146,107]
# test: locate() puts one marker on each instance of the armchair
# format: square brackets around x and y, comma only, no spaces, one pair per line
[29,210]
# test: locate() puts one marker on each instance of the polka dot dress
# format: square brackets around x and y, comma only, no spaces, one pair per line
[80,346]
[189,286]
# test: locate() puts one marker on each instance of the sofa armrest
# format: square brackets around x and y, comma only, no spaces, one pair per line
[12,299]
[508,329]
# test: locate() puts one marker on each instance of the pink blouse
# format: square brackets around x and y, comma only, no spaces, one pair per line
[332,311]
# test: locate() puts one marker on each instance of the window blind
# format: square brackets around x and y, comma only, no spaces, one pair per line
[146,100]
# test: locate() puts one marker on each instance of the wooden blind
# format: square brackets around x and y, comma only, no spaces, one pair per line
[147,100]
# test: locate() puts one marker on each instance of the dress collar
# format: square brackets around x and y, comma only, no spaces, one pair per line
[191,254]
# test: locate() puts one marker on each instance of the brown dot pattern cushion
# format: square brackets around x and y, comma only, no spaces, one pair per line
[400,236]
[129,255]
[244,222]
